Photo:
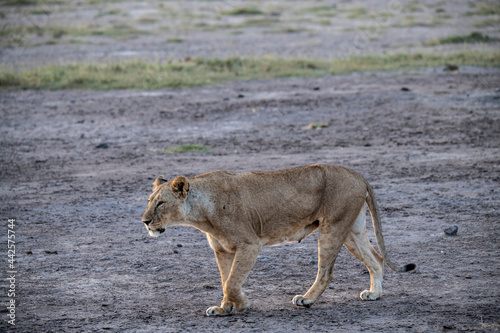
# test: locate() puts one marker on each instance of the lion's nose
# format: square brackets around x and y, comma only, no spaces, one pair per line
[147,222]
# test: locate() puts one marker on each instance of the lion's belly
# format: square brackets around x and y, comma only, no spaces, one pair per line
[295,236]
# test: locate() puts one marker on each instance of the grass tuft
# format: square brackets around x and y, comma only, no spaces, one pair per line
[187,148]
[357,13]
[197,72]
[473,37]
[244,11]
[20,3]
[487,23]
[486,9]
[175,40]
[317,9]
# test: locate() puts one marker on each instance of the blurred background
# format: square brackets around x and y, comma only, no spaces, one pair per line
[42,32]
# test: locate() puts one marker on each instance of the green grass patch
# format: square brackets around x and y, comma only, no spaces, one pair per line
[473,37]
[486,9]
[410,21]
[39,12]
[263,22]
[175,40]
[198,72]
[285,30]
[28,2]
[97,2]
[117,31]
[316,9]
[188,148]
[487,23]
[78,41]
[147,20]
[108,12]
[413,6]
[357,13]
[20,2]
[244,11]
[442,17]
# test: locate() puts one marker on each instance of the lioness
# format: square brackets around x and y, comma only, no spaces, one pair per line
[242,212]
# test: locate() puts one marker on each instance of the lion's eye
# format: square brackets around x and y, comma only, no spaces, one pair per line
[159,204]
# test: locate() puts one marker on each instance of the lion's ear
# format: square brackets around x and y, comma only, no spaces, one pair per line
[180,187]
[160,180]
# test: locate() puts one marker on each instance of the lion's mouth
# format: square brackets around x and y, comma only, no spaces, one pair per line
[156,233]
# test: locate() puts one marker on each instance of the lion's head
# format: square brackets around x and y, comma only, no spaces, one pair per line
[165,204]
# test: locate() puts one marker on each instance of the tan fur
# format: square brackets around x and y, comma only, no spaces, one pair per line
[242,212]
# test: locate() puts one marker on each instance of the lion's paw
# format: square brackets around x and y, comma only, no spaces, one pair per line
[300,300]
[242,303]
[218,311]
[369,296]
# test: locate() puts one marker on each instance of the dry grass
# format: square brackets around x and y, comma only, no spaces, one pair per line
[197,72]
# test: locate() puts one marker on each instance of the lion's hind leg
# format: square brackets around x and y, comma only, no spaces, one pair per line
[358,244]
[330,241]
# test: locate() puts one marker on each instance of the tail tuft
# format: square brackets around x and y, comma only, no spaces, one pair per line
[409,267]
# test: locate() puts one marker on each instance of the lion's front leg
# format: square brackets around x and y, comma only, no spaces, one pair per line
[234,298]
[224,262]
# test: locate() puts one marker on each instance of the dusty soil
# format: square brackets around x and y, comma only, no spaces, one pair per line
[85,262]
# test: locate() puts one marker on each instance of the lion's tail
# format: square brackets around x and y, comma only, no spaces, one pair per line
[377,226]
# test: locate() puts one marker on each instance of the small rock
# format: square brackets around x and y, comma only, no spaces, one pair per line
[316,126]
[316,88]
[451,230]
[405,89]
[241,96]
[179,245]
[368,144]
[51,252]
[207,286]
[102,146]
[450,68]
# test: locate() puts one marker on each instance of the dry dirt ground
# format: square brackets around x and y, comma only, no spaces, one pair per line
[432,151]
[85,262]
